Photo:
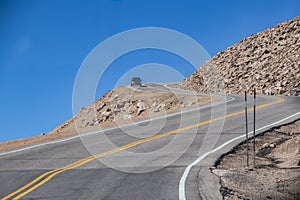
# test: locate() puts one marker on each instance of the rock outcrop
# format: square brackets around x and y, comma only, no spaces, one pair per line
[268,61]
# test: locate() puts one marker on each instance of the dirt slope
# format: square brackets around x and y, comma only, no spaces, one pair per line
[277,172]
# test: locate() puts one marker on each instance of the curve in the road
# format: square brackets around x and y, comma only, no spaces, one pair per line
[186,172]
[44,178]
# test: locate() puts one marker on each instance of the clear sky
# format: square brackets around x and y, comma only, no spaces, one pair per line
[44,42]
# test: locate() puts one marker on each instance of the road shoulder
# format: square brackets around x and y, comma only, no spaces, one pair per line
[277,166]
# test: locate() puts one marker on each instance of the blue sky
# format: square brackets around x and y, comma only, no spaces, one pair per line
[43,44]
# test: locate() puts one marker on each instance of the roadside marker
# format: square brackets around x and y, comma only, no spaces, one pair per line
[246,118]
[254,106]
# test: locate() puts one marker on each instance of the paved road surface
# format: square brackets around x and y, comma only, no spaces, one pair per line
[147,169]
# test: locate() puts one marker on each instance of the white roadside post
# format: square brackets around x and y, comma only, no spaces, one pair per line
[254,107]
[246,118]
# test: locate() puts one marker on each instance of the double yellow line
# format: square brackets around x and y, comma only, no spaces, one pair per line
[44,178]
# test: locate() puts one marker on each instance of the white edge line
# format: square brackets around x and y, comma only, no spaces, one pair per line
[229,99]
[186,172]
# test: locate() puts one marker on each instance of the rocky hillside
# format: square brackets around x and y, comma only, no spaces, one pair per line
[269,61]
[125,105]
[120,106]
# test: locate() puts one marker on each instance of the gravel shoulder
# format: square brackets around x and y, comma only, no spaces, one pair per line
[277,171]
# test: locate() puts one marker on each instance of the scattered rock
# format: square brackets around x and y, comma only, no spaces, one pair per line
[157,108]
[126,117]
[105,115]
[116,96]
[100,106]
[265,145]
[268,145]
[272,145]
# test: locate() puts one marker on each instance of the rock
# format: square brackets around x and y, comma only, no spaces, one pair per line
[220,172]
[126,107]
[265,145]
[116,96]
[158,107]
[113,97]
[269,145]
[116,110]
[100,106]
[141,107]
[119,107]
[105,115]
[131,109]
[126,117]
[272,145]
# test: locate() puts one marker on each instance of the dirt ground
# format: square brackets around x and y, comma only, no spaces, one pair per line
[117,107]
[277,167]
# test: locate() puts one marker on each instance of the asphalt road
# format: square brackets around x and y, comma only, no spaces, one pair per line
[150,161]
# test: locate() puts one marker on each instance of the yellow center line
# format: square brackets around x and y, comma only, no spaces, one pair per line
[39,178]
[50,174]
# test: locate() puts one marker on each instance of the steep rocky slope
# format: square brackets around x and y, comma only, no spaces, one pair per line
[269,61]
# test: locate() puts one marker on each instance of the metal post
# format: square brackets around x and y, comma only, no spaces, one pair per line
[246,118]
[254,106]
